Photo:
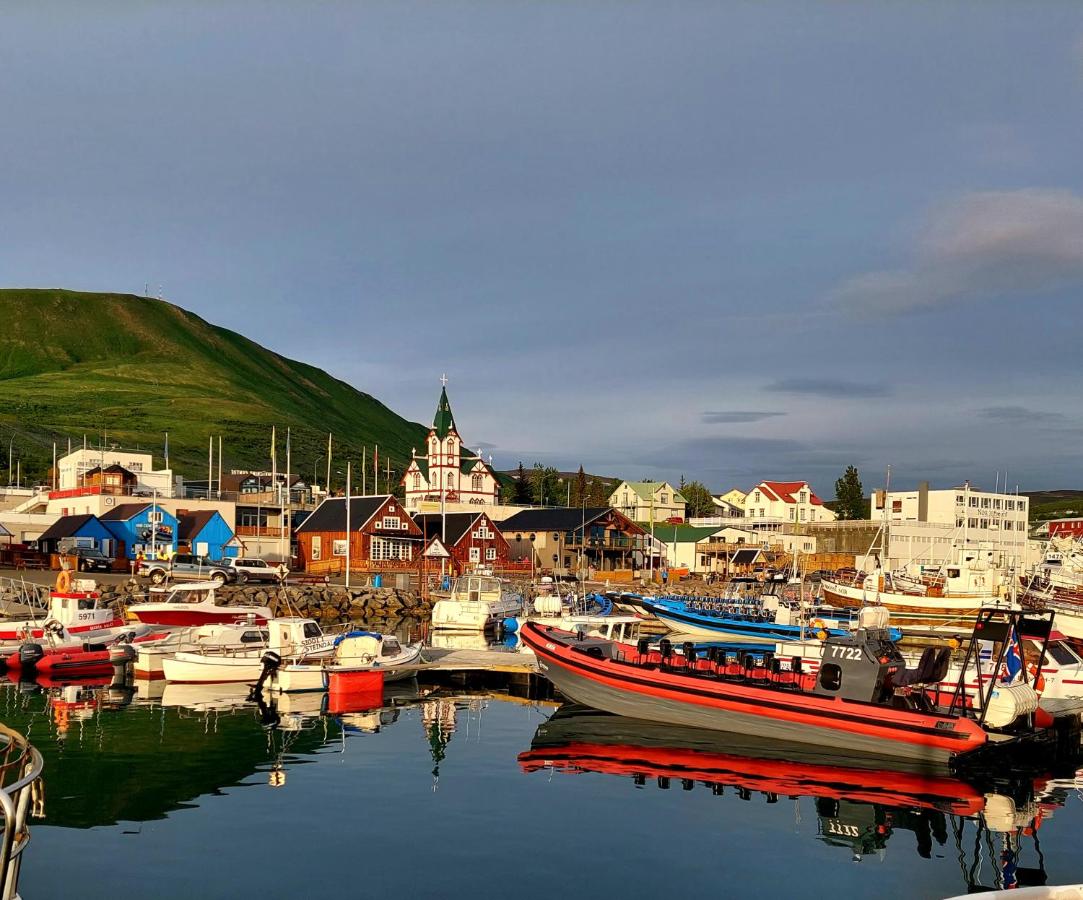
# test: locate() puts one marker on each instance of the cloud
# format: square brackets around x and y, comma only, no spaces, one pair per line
[1019,415]
[737,416]
[994,243]
[827,387]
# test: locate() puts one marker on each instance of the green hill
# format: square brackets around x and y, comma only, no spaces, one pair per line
[133,368]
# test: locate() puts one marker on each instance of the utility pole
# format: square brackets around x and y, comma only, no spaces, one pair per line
[348,535]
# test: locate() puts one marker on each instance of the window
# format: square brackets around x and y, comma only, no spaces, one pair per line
[802,514]
[830,677]
[392,523]
[382,548]
[984,502]
[959,522]
[896,506]
[417,481]
[974,502]
[475,482]
[490,553]
[996,504]
[972,522]
[958,499]
[450,479]
[664,498]
[338,548]
[475,554]
[317,544]
[483,533]
[984,523]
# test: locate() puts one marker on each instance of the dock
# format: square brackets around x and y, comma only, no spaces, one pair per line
[510,662]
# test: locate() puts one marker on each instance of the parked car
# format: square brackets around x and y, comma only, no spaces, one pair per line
[91,559]
[188,567]
[256,569]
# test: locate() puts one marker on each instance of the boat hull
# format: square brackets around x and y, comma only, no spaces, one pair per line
[723,628]
[160,614]
[306,677]
[912,612]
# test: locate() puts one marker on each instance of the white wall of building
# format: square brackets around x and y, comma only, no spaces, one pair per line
[72,467]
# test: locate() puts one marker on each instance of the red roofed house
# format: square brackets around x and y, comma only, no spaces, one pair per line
[786,501]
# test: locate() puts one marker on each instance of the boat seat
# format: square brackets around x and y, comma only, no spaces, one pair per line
[931,668]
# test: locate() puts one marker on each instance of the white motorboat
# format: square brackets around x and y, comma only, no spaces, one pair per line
[75,615]
[186,605]
[291,637]
[355,651]
[155,648]
[476,602]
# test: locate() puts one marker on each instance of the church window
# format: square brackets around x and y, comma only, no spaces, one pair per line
[475,482]
[450,479]
[417,481]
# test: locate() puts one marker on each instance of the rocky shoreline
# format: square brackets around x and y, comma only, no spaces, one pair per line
[323,602]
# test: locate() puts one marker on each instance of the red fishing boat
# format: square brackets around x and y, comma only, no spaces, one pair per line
[863,699]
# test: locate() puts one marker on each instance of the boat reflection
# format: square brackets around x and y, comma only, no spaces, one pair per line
[859,804]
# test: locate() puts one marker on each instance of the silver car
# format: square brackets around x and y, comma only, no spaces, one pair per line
[256,570]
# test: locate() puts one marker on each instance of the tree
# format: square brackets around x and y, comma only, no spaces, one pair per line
[849,495]
[579,489]
[698,500]
[597,493]
[521,492]
[544,486]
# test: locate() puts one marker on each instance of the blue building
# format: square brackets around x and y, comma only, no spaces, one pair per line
[83,531]
[206,533]
[141,526]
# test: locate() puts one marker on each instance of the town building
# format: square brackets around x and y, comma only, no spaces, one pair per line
[382,536]
[924,525]
[1072,528]
[113,471]
[447,472]
[648,501]
[141,528]
[206,533]
[683,544]
[77,531]
[565,541]
[472,539]
[786,501]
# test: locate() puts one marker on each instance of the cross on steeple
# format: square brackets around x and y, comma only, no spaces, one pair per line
[443,380]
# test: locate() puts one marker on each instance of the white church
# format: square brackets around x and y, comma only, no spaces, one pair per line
[448,472]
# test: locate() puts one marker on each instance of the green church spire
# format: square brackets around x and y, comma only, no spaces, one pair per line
[443,421]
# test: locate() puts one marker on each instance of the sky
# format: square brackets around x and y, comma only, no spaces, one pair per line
[729,241]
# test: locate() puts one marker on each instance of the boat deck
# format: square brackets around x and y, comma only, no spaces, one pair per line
[440,660]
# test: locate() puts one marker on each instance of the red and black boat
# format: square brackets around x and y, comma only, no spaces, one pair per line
[863,700]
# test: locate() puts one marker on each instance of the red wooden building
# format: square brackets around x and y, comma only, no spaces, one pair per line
[1072,528]
[383,537]
[471,538]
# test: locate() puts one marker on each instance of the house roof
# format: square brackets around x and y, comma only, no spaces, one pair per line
[124,512]
[3,531]
[232,481]
[458,525]
[113,469]
[746,556]
[330,515]
[647,489]
[682,534]
[560,518]
[66,526]
[785,490]
[191,524]
[443,422]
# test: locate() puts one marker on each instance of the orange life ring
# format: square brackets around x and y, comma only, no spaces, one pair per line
[63,581]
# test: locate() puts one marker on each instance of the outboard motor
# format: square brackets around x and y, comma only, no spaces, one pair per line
[30,654]
[271,662]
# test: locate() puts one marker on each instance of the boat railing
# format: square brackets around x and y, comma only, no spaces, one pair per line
[20,792]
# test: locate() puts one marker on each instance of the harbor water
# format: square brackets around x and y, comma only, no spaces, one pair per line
[447,792]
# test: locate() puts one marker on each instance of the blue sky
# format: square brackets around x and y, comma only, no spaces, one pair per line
[730,241]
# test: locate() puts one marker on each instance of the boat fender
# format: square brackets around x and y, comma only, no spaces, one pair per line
[30,655]
[511,625]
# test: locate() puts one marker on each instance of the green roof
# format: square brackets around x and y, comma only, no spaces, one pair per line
[443,421]
[646,490]
[680,534]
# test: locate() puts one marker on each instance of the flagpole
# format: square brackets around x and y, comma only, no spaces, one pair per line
[287,498]
[348,535]
[219,467]
[364,471]
[327,485]
[210,466]
[274,469]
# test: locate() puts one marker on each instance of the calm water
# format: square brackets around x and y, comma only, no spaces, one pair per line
[476,795]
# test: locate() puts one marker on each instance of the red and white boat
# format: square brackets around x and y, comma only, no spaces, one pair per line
[184,605]
[75,614]
[863,697]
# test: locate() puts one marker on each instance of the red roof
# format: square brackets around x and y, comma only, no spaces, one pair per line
[785,490]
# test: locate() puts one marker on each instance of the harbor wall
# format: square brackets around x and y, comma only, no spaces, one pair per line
[323,602]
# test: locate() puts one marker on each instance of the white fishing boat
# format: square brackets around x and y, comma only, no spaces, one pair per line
[157,647]
[355,651]
[475,603]
[291,637]
[943,600]
[75,614]
[186,605]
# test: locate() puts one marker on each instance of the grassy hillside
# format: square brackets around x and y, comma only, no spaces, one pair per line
[1060,504]
[77,363]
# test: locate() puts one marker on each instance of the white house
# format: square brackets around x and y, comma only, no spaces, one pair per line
[646,501]
[786,501]
[447,472]
[131,470]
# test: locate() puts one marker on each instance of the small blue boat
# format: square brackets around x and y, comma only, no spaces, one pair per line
[720,619]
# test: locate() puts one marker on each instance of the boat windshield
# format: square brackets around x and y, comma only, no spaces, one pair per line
[390,647]
[311,630]
[1062,654]
[184,596]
